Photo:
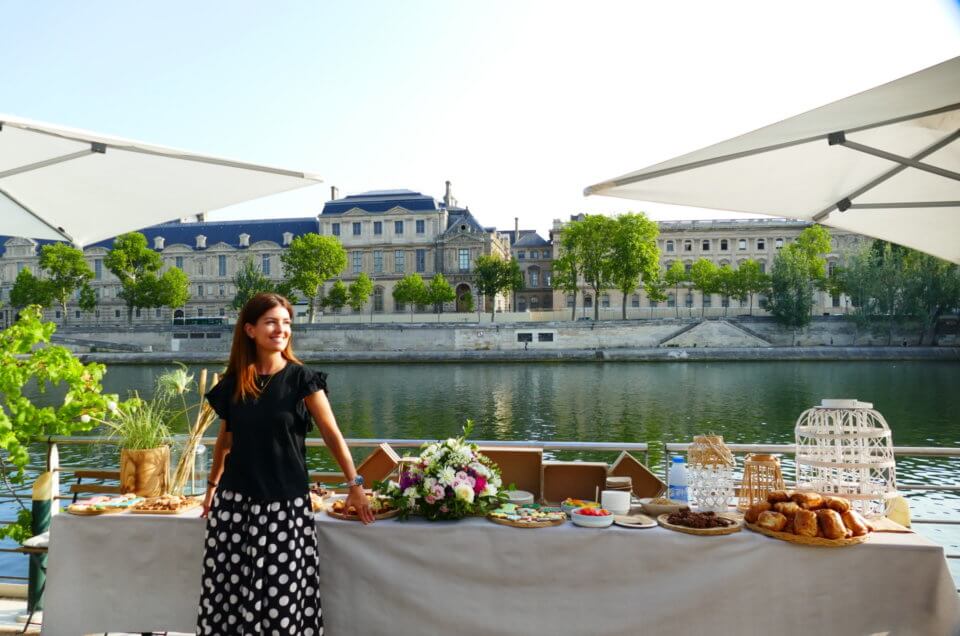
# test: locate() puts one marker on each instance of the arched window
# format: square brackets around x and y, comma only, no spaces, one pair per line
[724,245]
[687,266]
[588,301]
[688,246]
[378,298]
[778,243]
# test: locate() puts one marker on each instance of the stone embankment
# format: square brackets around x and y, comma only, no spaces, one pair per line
[671,339]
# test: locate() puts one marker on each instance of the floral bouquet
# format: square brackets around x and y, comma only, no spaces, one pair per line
[452,480]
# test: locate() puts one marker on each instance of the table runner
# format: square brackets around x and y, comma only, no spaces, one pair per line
[142,573]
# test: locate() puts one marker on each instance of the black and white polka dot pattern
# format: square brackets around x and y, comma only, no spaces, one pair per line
[260,568]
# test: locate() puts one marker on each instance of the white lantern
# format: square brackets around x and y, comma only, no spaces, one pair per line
[844,447]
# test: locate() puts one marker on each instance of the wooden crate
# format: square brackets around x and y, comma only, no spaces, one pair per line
[519,466]
[378,465]
[645,483]
[579,480]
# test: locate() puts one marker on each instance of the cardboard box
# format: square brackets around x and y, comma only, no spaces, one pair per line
[579,480]
[645,483]
[518,466]
[378,465]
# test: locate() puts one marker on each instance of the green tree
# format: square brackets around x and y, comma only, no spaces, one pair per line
[29,290]
[858,281]
[751,281]
[728,285]
[634,255]
[494,275]
[704,276]
[66,272]
[249,281]
[410,290]
[310,261]
[890,278]
[358,293]
[466,299]
[590,243]
[136,265]
[656,289]
[88,298]
[675,277]
[439,292]
[172,289]
[28,358]
[337,297]
[791,298]
[932,289]
[565,278]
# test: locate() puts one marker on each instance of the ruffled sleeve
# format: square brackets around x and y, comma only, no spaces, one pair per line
[219,399]
[310,382]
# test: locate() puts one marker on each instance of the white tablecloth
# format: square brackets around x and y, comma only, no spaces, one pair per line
[142,573]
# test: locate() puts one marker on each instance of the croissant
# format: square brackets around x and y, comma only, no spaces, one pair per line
[805,523]
[808,500]
[857,524]
[786,508]
[772,521]
[839,504]
[750,516]
[777,496]
[831,525]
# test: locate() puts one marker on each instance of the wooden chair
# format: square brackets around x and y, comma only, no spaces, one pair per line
[97,487]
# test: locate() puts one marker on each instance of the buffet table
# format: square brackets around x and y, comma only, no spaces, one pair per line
[140,573]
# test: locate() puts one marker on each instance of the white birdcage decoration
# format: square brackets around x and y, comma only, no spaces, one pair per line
[844,447]
[710,470]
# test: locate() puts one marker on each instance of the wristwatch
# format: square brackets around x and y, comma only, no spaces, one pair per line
[356,481]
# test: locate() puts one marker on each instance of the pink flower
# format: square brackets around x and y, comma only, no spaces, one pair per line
[430,499]
[479,484]
[438,492]
[461,477]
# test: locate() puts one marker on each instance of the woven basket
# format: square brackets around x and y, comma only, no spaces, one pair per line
[819,542]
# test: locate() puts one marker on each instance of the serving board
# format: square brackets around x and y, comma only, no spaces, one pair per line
[527,524]
[377,517]
[179,510]
[704,532]
[636,521]
[94,513]
[819,542]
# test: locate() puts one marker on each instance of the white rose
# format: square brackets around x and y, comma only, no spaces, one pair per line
[429,483]
[411,493]
[464,492]
[489,490]
[447,476]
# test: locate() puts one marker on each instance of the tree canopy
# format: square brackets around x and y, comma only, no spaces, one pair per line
[493,275]
[309,262]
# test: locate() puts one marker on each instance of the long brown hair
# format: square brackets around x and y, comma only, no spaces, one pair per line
[243,351]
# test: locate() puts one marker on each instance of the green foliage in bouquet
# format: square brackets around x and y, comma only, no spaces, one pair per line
[452,480]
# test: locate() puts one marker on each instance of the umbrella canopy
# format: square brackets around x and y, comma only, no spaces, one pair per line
[881,163]
[63,184]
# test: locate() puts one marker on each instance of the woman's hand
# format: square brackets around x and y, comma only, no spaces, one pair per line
[357,499]
[207,501]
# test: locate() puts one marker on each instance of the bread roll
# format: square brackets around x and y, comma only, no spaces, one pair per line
[772,521]
[808,500]
[786,508]
[857,524]
[831,525]
[777,496]
[839,504]
[805,523]
[750,516]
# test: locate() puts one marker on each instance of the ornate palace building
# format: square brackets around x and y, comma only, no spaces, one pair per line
[387,234]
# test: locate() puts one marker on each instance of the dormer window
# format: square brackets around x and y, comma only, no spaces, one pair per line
[158,242]
[463,228]
[244,240]
[287,238]
[201,242]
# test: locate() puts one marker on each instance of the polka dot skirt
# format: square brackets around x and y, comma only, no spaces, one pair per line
[260,568]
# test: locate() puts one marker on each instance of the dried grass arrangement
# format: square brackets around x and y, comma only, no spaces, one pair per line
[205,416]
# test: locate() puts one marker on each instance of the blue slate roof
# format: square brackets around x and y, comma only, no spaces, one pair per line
[227,232]
[461,216]
[382,201]
[531,239]
[40,243]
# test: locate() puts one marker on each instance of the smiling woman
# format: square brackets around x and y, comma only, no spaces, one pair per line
[259,517]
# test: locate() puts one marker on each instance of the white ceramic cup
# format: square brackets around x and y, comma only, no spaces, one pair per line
[616,501]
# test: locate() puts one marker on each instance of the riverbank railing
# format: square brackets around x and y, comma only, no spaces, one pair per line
[656,450]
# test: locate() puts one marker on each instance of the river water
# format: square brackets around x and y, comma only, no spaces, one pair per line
[746,402]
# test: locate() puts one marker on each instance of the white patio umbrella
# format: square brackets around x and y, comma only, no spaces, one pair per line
[881,163]
[64,184]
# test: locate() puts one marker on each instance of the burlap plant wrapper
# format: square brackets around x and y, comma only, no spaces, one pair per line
[146,473]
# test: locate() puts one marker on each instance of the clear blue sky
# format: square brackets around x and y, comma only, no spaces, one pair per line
[520,104]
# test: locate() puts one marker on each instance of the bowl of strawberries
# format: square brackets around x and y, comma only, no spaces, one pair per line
[592,517]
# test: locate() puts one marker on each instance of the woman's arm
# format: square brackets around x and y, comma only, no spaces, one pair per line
[319,408]
[220,451]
